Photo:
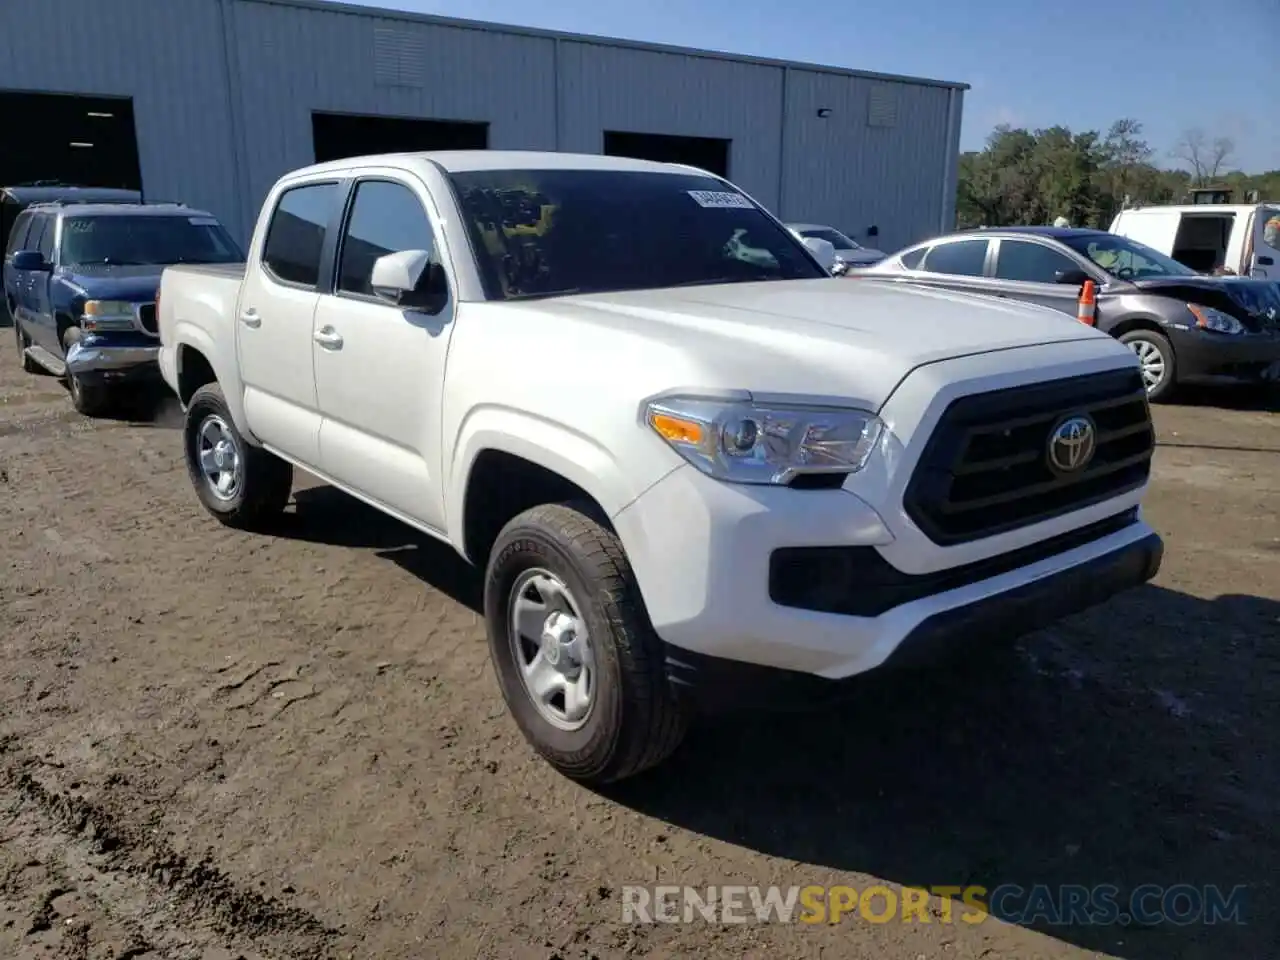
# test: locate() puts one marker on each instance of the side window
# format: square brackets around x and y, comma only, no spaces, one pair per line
[961,258]
[911,259]
[1030,262]
[35,237]
[296,233]
[18,234]
[46,239]
[385,218]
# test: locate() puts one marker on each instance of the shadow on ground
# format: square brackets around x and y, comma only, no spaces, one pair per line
[1048,769]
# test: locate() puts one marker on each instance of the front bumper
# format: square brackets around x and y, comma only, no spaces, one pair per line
[112,359]
[709,598]
[1206,356]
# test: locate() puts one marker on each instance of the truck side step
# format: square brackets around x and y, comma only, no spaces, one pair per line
[47,360]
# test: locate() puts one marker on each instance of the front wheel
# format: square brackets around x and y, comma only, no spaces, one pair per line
[242,485]
[1159,365]
[579,664]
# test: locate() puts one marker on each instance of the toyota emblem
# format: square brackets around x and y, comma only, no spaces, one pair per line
[1072,444]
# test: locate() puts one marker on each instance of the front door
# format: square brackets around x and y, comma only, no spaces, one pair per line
[274,320]
[1033,272]
[380,367]
[1265,263]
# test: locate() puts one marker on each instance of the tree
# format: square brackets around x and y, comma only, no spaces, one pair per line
[1206,158]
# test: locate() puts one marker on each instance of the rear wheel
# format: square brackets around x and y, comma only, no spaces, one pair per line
[580,666]
[242,485]
[1159,365]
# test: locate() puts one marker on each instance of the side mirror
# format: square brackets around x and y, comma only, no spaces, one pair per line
[840,268]
[31,260]
[410,279]
[823,251]
[1075,278]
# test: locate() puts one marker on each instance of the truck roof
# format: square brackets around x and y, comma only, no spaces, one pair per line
[1210,208]
[46,193]
[460,161]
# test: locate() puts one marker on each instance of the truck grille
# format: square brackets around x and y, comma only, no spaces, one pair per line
[147,318]
[986,469]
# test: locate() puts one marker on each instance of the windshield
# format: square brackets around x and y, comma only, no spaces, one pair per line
[833,237]
[146,239]
[547,232]
[1123,258]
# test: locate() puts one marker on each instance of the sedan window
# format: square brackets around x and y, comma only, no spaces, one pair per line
[963,258]
[1031,262]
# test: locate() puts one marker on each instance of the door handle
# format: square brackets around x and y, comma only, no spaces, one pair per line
[328,338]
[1266,261]
[250,318]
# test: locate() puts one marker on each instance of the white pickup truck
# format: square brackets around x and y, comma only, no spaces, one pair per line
[695,468]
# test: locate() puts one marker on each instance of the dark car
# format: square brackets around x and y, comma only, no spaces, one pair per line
[1183,326]
[80,281]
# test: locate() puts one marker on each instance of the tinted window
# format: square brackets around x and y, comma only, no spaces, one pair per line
[911,259]
[296,233]
[146,239]
[46,239]
[35,237]
[543,232]
[385,218]
[963,258]
[833,237]
[1030,262]
[19,233]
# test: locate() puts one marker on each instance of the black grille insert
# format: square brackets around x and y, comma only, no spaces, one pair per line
[147,317]
[985,470]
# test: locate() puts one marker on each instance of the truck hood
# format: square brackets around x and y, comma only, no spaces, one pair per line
[834,338]
[1255,303]
[136,284]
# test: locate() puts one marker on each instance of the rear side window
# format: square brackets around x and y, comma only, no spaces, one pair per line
[911,259]
[963,258]
[1031,262]
[18,234]
[296,234]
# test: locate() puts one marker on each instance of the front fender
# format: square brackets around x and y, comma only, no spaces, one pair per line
[578,458]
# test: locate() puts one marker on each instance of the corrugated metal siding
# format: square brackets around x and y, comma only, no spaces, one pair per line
[615,88]
[166,56]
[293,61]
[880,158]
[885,155]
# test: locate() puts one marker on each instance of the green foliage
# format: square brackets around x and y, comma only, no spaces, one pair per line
[1034,176]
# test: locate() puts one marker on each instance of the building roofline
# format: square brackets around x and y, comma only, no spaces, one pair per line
[334,6]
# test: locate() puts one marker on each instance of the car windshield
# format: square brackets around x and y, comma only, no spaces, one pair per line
[833,237]
[1123,258]
[547,232]
[146,239]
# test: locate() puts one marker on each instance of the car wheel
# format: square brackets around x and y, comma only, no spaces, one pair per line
[90,399]
[579,664]
[28,365]
[1159,365]
[242,485]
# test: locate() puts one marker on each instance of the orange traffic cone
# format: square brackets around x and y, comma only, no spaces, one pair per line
[1087,305]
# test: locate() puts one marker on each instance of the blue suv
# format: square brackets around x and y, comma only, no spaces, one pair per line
[80,281]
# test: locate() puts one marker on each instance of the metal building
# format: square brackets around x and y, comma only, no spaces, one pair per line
[208,101]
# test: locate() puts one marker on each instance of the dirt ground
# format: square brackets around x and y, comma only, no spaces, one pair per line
[216,745]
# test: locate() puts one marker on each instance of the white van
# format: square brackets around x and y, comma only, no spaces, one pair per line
[1243,239]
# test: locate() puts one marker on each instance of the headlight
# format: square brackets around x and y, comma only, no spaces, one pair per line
[108,315]
[744,443]
[1208,318]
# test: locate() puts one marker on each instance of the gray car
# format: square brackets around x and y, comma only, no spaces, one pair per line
[852,253]
[1183,326]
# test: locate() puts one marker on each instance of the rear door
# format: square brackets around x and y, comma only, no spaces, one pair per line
[1265,263]
[275,317]
[1033,272]
[1157,229]
[956,265]
[13,282]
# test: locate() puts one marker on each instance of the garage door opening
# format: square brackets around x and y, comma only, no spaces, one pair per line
[340,135]
[66,139]
[708,153]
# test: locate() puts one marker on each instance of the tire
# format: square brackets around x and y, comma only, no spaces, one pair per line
[1149,344]
[90,399]
[28,365]
[260,481]
[635,720]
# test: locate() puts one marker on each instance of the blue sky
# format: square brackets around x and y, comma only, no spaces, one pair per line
[1173,64]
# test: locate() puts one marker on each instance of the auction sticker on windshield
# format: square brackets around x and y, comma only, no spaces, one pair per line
[722,200]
